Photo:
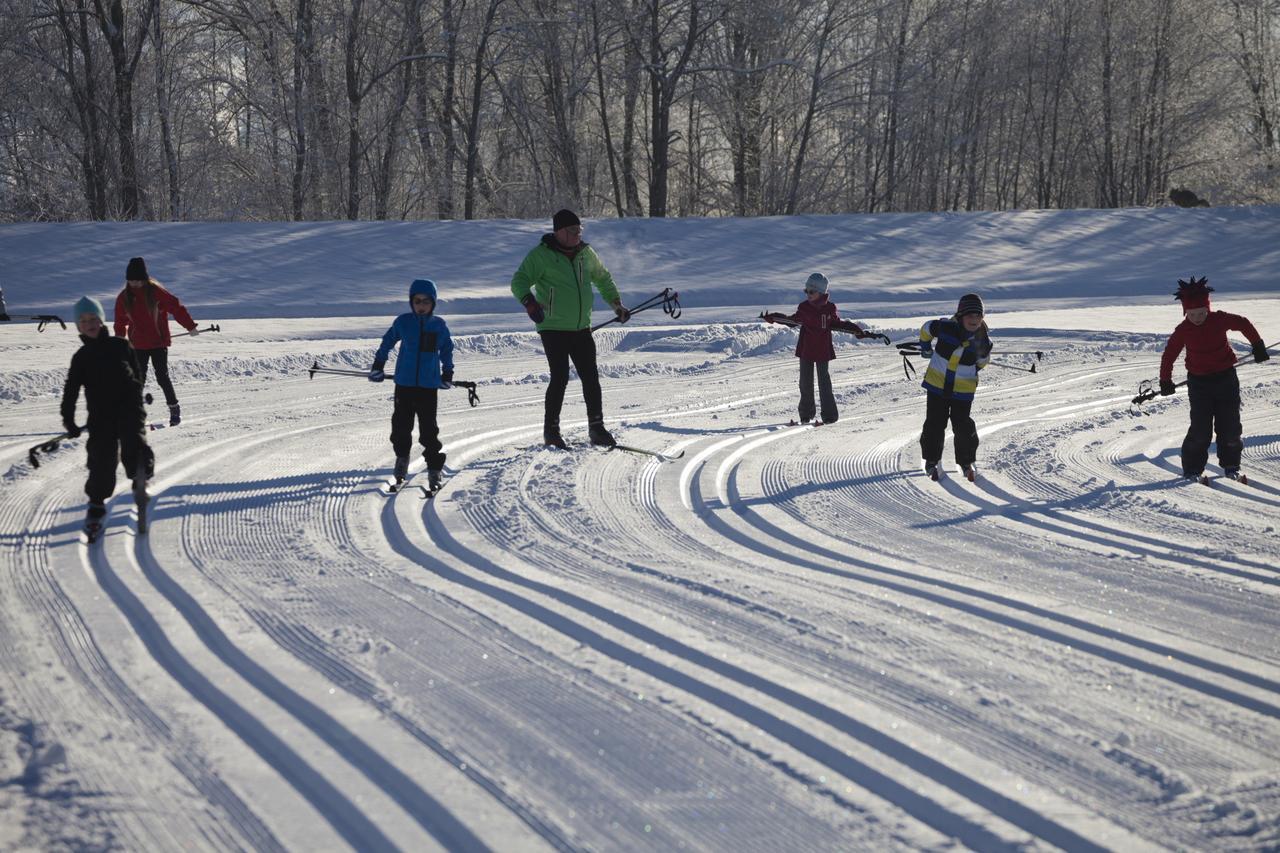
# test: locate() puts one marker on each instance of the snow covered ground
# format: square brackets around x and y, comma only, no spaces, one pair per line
[786,639]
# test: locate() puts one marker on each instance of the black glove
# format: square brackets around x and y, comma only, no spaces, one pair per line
[621,312]
[1260,352]
[375,372]
[1166,387]
[926,351]
[533,309]
[72,430]
[446,376]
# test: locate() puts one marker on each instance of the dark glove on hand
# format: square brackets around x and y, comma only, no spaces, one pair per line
[621,311]
[446,376]
[533,309]
[1166,387]
[1260,352]
[73,431]
[926,351]
[376,375]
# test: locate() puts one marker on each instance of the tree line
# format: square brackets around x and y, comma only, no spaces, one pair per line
[462,109]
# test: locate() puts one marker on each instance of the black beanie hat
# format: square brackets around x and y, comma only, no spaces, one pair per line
[970,303]
[136,271]
[563,219]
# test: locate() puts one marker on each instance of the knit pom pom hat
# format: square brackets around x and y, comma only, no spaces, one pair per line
[1193,293]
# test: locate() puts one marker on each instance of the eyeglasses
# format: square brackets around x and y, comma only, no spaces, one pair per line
[422,300]
[573,229]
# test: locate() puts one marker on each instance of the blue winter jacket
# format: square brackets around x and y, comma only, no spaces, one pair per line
[426,349]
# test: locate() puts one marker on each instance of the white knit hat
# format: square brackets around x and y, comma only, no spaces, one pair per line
[817,283]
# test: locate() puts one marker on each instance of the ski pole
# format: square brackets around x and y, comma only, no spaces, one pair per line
[668,299]
[1039,354]
[316,368]
[1149,390]
[48,446]
[210,328]
[472,397]
[1007,366]
[42,319]
[784,320]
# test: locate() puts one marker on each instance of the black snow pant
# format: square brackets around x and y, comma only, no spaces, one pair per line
[938,410]
[1215,407]
[160,358]
[111,439]
[579,346]
[829,411]
[413,402]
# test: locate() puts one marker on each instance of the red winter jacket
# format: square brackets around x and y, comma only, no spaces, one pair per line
[1206,344]
[816,320]
[146,322]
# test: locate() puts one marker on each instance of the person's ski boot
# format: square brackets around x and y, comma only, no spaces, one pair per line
[1234,474]
[599,436]
[551,436]
[435,480]
[93,521]
[175,414]
[931,468]
[970,473]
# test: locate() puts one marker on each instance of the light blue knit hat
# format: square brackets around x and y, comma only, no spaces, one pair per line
[89,305]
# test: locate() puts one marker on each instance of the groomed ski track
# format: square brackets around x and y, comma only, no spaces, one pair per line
[789,638]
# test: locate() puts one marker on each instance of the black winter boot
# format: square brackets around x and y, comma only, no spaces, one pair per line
[551,435]
[600,436]
[175,414]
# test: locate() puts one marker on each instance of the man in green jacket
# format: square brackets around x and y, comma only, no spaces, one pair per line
[554,286]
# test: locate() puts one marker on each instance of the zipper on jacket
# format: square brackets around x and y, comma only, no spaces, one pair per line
[417,357]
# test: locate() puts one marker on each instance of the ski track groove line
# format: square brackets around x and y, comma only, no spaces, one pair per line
[919,806]
[455,835]
[776,533]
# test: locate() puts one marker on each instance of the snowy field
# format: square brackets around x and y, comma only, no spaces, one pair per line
[786,639]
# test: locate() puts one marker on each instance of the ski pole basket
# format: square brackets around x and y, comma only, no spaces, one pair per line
[48,446]
[472,397]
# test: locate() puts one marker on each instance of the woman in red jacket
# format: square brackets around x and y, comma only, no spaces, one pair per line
[142,315]
[1212,385]
[816,317]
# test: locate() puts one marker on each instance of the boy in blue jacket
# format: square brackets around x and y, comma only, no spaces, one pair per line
[424,365]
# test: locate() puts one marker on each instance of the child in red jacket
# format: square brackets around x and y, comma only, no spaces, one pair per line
[1212,385]
[142,315]
[816,317]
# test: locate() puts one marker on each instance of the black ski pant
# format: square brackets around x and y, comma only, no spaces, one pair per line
[420,403]
[160,359]
[114,438]
[964,432]
[1215,407]
[829,411]
[580,347]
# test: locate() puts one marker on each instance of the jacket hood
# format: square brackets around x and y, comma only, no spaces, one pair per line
[422,286]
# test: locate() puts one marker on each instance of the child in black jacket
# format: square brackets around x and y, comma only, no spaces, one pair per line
[107,369]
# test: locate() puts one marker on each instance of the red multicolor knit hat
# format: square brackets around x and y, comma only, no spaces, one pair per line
[1193,293]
